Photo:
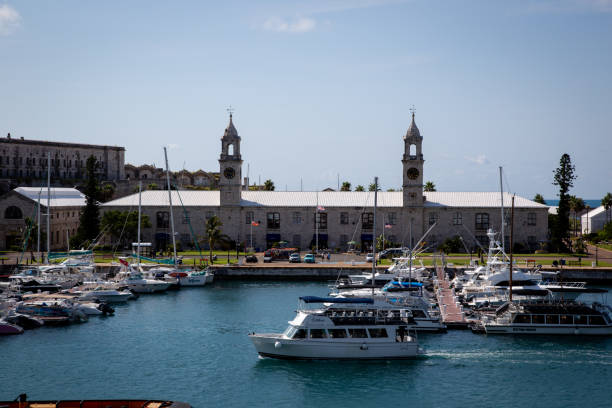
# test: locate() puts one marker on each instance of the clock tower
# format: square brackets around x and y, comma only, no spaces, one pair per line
[412,165]
[230,167]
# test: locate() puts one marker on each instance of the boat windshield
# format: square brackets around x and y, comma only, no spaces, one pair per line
[290,332]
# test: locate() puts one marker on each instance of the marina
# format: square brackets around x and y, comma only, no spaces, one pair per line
[192,345]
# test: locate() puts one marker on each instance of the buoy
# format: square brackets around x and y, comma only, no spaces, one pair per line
[278,345]
[364,346]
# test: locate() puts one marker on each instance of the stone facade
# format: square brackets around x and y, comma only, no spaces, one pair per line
[24,162]
[15,207]
[290,217]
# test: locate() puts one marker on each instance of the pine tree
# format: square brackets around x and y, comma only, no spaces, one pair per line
[564,178]
[89,224]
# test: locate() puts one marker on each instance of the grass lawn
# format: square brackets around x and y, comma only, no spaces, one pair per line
[605,246]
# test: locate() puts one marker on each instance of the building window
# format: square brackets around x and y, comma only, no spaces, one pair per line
[13,213]
[433,218]
[482,221]
[250,217]
[531,219]
[186,217]
[297,241]
[297,217]
[273,220]
[321,220]
[163,219]
[457,218]
[392,218]
[483,240]
[367,221]
[344,218]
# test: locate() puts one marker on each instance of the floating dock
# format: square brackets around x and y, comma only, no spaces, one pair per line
[450,308]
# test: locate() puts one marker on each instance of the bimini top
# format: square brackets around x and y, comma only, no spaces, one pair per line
[316,299]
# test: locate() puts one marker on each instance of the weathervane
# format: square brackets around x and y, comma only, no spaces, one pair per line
[413,110]
[230,110]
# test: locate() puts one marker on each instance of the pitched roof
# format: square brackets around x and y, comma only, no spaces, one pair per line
[358,199]
[60,196]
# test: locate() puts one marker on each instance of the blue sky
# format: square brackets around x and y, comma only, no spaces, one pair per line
[322,88]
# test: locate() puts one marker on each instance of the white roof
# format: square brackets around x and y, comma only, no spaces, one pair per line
[60,196]
[594,212]
[358,199]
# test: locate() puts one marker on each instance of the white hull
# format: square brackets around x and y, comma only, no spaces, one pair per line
[275,346]
[118,297]
[198,280]
[548,329]
[147,287]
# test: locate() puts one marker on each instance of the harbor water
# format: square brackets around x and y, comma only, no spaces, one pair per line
[191,345]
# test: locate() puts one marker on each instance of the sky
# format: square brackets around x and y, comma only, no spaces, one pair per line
[322,89]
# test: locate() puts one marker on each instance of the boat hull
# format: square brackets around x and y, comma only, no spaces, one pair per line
[551,330]
[275,346]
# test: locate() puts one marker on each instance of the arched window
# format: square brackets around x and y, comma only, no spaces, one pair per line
[230,149]
[412,150]
[13,213]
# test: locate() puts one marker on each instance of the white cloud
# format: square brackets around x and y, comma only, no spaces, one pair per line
[9,19]
[480,159]
[301,25]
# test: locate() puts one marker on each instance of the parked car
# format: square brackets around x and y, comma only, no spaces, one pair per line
[267,256]
[251,259]
[309,258]
[294,258]
[370,257]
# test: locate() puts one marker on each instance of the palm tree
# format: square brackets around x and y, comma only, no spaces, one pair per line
[213,233]
[346,186]
[539,199]
[359,188]
[372,187]
[576,205]
[269,185]
[429,186]
[607,203]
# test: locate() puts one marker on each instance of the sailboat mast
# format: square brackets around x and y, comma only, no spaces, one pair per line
[48,204]
[170,204]
[511,244]
[501,189]
[38,224]
[317,219]
[374,234]
[139,211]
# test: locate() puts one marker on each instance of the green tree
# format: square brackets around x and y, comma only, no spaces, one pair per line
[576,205]
[359,188]
[268,185]
[451,245]
[89,222]
[429,186]
[390,189]
[607,203]
[213,233]
[372,187]
[107,192]
[382,243]
[346,186]
[539,199]
[564,178]
[122,226]
[152,186]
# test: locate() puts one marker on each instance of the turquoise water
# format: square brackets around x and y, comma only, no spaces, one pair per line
[192,345]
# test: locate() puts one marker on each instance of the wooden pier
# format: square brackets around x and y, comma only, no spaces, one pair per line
[450,309]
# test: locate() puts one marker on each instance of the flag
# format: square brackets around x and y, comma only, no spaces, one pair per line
[320,208]
[123,262]
[388,226]
[255,223]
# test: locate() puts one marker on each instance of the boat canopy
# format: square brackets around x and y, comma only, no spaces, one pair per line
[317,299]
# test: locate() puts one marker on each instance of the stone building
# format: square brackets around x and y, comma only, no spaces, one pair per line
[403,216]
[23,162]
[22,202]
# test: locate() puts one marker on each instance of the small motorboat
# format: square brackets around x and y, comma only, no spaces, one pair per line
[9,328]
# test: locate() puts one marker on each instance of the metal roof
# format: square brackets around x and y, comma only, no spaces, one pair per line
[60,196]
[357,199]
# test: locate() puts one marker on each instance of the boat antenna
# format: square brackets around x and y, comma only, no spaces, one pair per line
[501,189]
[170,204]
[48,204]
[511,244]
[139,210]
[374,234]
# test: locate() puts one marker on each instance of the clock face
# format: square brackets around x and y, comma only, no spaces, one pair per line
[229,173]
[412,173]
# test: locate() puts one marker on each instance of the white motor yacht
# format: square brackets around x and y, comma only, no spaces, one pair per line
[343,332]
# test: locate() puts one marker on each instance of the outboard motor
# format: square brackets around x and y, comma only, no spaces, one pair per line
[106,309]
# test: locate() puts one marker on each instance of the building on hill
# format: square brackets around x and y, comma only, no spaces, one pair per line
[65,204]
[338,216]
[23,162]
